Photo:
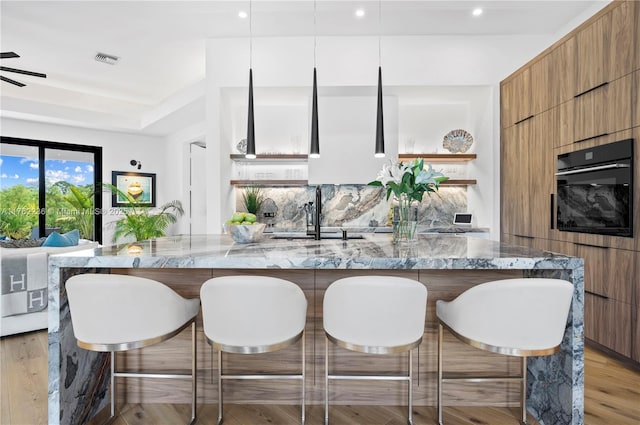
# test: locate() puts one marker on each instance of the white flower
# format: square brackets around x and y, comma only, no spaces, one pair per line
[392,171]
[427,176]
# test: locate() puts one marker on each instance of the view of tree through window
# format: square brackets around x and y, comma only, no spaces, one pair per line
[69,183]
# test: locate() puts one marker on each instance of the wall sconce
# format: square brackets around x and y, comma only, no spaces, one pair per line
[134,163]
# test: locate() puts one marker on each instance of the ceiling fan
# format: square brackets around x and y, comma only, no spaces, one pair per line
[9,55]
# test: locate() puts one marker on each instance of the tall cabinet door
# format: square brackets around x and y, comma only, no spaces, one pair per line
[520,174]
[591,50]
[541,169]
[508,170]
[635,339]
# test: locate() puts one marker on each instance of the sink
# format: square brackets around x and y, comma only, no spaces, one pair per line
[294,235]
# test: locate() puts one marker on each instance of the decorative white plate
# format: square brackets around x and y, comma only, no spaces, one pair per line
[242,146]
[457,141]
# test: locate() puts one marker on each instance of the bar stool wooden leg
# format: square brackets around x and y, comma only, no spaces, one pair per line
[304,383]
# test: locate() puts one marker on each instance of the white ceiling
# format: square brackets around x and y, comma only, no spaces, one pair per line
[158,81]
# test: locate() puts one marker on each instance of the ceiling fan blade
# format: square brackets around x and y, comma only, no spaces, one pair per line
[20,71]
[10,81]
[9,55]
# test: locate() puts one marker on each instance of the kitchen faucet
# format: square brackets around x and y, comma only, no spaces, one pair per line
[317,214]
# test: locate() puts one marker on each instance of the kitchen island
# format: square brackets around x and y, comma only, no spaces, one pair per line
[446,264]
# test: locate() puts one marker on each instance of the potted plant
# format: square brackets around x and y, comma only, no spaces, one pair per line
[144,222]
[252,199]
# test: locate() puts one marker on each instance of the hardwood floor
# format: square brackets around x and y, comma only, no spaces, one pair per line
[612,396]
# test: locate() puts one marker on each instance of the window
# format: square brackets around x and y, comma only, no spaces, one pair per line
[47,186]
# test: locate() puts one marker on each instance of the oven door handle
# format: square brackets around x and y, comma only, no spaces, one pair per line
[597,168]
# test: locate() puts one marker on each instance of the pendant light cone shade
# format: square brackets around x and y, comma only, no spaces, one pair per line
[251,137]
[380,120]
[314,152]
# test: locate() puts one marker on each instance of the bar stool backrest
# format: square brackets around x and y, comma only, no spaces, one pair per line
[375,311]
[252,311]
[109,309]
[521,314]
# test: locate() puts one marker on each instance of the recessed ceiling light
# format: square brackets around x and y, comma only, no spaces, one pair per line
[359,13]
[477,11]
[242,14]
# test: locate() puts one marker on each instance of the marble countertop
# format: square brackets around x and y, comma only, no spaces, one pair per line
[373,251]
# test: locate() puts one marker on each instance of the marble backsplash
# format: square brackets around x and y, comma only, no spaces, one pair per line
[353,206]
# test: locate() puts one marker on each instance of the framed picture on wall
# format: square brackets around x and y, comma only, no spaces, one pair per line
[140,186]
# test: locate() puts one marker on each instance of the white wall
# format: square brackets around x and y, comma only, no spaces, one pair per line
[117,150]
[352,62]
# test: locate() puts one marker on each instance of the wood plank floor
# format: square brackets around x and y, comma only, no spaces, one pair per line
[612,396]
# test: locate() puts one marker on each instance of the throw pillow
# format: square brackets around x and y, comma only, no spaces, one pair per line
[56,239]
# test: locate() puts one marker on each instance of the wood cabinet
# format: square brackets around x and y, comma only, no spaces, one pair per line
[604,48]
[608,323]
[608,272]
[552,78]
[583,93]
[636,53]
[561,73]
[635,107]
[541,169]
[515,178]
[635,312]
[609,287]
[515,97]
[604,110]
[528,175]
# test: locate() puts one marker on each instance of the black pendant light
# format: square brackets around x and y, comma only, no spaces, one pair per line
[380,117]
[251,137]
[314,151]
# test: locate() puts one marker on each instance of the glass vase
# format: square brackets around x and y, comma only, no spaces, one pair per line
[406,222]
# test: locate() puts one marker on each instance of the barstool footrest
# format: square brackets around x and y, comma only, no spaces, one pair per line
[371,377]
[481,378]
[152,375]
[263,376]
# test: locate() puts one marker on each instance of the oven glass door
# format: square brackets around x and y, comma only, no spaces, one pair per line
[596,202]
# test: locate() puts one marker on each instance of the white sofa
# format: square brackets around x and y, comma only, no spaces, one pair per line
[24,296]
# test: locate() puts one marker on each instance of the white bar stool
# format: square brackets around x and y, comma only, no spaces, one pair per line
[514,317]
[374,315]
[250,315]
[112,313]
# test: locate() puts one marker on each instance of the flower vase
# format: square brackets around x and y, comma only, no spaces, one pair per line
[406,222]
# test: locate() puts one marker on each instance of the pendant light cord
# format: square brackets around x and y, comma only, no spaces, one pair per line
[314,33]
[379,32]
[250,35]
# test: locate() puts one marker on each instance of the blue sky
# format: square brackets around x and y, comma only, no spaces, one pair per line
[20,170]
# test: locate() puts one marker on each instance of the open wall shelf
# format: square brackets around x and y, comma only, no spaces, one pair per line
[439,157]
[271,157]
[269,182]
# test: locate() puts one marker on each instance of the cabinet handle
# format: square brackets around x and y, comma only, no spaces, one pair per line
[591,89]
[591,245]
[595,294]
[523,236]
[523,120]
[591,138]
[551,220]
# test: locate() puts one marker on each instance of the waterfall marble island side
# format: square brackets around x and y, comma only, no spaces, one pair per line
[446,264]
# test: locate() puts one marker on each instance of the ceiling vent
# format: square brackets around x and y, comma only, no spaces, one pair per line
[105,58]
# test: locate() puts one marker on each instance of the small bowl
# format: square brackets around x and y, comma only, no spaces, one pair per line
[246,233]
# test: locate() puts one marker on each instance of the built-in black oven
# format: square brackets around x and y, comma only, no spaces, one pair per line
[595,190]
